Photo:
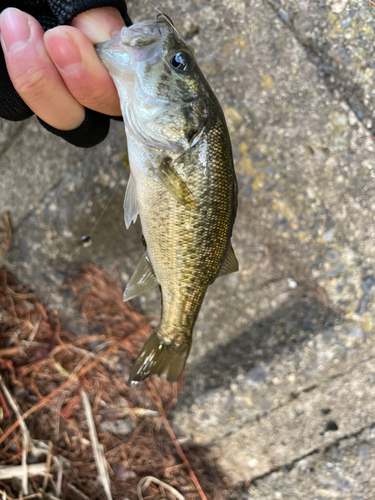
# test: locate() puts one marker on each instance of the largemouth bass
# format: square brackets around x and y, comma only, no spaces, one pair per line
[182,182]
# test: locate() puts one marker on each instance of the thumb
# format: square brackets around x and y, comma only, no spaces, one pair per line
[99,25]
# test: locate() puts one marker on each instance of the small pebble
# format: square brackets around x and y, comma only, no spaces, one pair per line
[86,241]
[367,284]
[333,255]
[292,284]
[328,236]
[335,271]
[284,15]
[354,331]
[364,451]
[338,6]
[307,325]
[348,21]
[256,375]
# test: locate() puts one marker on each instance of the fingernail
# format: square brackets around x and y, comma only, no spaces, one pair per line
[15,29]
[63,50]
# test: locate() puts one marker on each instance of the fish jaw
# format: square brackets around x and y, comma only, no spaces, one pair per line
[134,44]
[118,57]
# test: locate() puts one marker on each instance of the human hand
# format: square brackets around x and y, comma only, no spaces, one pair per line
[57,73]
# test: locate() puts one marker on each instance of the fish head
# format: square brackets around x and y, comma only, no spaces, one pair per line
[163,93]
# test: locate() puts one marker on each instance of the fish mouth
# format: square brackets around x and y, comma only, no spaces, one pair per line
[140,35]
[146,32]
[134,43]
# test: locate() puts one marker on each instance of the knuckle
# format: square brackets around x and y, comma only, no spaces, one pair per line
[94,96]
[32,84]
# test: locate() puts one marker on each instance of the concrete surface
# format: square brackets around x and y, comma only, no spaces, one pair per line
[281,377]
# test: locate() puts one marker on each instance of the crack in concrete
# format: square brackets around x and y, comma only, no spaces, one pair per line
[351,94]
[318,449]
[294,396]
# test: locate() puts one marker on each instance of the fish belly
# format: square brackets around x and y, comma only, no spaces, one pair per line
[186,248]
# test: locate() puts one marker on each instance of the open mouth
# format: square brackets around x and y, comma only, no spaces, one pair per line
[134,43]
[140,35]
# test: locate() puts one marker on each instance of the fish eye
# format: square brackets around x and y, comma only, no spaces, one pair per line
[180,61]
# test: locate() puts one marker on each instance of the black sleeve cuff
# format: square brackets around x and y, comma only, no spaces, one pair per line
[67,10]
[117,118]
[92,131]
[12,106]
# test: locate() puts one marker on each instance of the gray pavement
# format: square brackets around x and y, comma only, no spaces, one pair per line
[281,377]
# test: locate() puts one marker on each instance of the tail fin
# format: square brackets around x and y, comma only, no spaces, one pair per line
[164,360]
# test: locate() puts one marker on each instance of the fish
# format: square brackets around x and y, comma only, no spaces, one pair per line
[182,182]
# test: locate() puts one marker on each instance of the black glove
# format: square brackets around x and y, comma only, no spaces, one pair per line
[51,13]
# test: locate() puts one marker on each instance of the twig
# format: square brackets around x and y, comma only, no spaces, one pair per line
[10,471]
[21,295]
[50,496]
[97,448]
[28,497]
[33,333]
[68,382]
[49,460]
[59,368]
[78,492]
[58,408]
[41,448]
[174,440]
[34,495]
[59,475]
[25,436]
[4,405]
[146,481]
[4,496]
[10,351]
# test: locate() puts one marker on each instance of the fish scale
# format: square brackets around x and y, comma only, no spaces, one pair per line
[183,182]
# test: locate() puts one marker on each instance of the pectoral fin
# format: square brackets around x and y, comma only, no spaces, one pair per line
[176,187]
[130,203]
[230,264]
[142,280]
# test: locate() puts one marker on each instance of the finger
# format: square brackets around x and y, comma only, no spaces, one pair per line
[99,25]
[12,106]
[87,80]
[33,74]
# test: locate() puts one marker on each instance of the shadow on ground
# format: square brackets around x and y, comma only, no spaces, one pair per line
[285,330]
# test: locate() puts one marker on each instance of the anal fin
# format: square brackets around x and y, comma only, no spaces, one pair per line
[130,203]
[230,264]
[142,280]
